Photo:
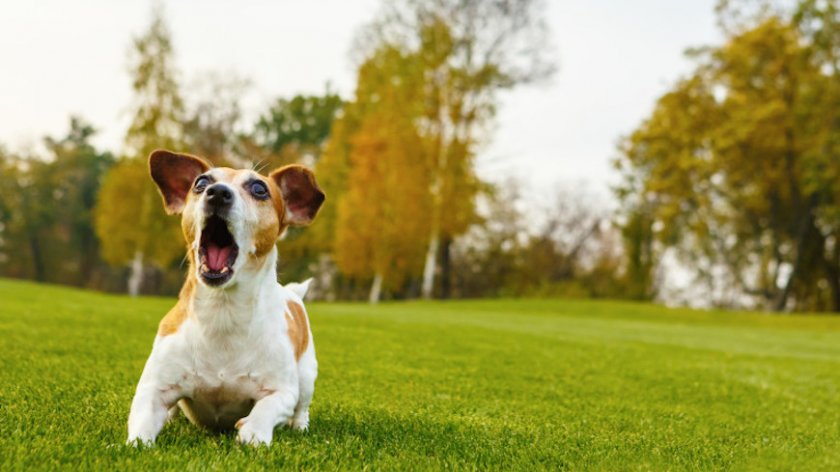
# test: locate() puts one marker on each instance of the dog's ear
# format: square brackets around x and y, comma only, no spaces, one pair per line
[300,192]
[174,175]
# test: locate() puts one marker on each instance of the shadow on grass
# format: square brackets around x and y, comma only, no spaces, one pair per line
[359,437]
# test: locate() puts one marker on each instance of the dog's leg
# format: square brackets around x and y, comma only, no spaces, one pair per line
[307,372]
[149,411]
[173,413]
[258,427]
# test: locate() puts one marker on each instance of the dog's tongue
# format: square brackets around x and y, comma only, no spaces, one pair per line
[217,256]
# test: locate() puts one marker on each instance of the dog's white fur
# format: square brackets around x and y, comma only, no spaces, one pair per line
[231,362]
[299,288]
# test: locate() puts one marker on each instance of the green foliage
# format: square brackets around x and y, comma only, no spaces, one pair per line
[491,385]
[304,121]
[46,209]
[640,257]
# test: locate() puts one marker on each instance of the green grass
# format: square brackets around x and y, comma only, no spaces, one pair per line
[494,384]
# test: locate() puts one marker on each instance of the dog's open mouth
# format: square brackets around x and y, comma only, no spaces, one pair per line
[217,252]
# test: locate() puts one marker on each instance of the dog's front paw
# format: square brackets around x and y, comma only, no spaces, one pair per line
[138,442]
[252,435]
[300,421]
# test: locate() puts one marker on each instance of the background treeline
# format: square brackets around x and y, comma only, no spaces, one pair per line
[407,214]
[732,179]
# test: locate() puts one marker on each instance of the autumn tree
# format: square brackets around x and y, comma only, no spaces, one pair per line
[378,232]
[468,51]
[737,167]
[129,220]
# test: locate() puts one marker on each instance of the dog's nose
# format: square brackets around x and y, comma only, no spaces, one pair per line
[219,195]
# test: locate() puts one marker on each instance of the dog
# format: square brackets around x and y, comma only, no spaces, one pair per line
[236,350]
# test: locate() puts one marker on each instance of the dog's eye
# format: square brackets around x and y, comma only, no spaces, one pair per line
[258,190]
[201,183]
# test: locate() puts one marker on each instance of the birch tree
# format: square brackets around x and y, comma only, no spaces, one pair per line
[469,50]
[129,219]
[380,226]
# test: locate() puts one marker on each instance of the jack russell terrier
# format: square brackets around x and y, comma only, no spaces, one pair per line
[236,351]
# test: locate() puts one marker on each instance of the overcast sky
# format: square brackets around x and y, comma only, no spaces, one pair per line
[615,58]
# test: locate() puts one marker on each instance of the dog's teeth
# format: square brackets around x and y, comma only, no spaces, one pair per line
[204,268]
[225,269]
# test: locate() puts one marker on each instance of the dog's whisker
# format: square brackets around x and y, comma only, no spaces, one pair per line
[260,166]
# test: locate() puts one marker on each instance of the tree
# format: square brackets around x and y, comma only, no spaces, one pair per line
[25,216]
[378,234]
[45,210]
[129,221]
[640,256]
[468,51]
[486,259]
[210,128]
[296,130]
[303,123]
[558,251]
[74,179]
[575,251]
[737,166]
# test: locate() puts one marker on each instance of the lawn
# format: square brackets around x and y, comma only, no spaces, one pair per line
[491,384]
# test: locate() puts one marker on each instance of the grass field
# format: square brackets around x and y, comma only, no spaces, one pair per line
[461,385]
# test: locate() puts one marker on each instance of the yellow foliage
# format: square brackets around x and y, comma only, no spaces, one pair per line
[129,217]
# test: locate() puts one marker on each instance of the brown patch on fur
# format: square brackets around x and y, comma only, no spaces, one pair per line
[179,313]
[298,328]
[271,216]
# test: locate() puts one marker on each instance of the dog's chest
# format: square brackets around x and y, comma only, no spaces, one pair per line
[223,386]
[226,377]
[216,395]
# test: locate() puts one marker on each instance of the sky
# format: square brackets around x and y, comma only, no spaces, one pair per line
[614,59]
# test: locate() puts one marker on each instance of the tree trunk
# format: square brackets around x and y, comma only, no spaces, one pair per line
[832,273]
[446,268]
[375,289]
[806,228]
[135,280]
[833,277]
[429,269]
[37,259]
[88,253]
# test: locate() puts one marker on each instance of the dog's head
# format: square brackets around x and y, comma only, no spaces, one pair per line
[232,218]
